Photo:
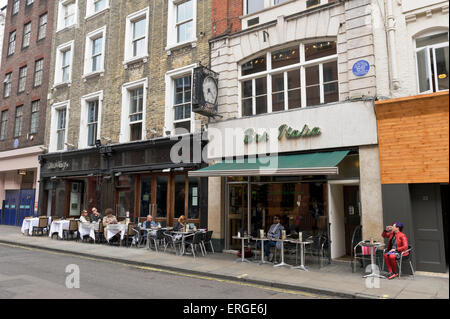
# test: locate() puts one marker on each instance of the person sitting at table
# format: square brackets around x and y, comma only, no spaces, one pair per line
[149,223]
[109,219]
[95,215]
[274,233]
[84,218]
[398,243]
[180,224]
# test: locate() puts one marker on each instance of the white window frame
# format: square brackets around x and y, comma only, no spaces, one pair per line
[83,136]
[427,50]
[99,33]
[53,143]
[267,4]
[128,52]
[125,114]
[172,35]
[58,65]
[42,27]
[269,72]
[61,11]
[171,76]
[90,9]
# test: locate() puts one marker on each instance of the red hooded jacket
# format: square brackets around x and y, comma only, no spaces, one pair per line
[402,241]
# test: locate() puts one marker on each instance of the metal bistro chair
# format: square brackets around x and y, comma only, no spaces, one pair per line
[171,241]
[43,225]
[319,243]
[196,241]
[206,239]
[73,228]
[131,233]
[156,238]
[100,233]
[403,258]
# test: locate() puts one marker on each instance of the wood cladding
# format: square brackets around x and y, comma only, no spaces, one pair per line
[413,135]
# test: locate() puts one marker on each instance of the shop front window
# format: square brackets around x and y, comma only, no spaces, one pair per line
[146,196]
[194,196]
[161,196]
[180,195]
[299,76]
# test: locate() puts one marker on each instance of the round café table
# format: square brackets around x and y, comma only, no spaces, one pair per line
[371,246]
[302,253]
[262,240]
[282,263]
[243,239]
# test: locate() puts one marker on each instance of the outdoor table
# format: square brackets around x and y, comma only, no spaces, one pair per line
[282,263]
[302,253]
[113,229]
[262,240]
[242,259]
[88,229]
[58,226]
[371,246]
[28,225]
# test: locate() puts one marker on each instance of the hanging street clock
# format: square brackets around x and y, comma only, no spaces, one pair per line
[205,92]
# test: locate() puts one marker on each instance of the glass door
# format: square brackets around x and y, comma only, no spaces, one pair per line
[238,218]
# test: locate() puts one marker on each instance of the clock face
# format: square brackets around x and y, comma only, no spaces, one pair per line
[210,90]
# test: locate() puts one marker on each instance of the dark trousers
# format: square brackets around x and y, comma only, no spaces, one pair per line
[267,245]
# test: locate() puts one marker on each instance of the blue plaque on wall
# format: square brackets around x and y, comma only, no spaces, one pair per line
[361,68]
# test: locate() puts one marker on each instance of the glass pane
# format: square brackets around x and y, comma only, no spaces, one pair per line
[432,39]
[254,5]
[184,11]
[247,89]
[247,107]
[294,99]
[442,67]
[126,203]
[194,196]
[330,72]
[285,57]
[61,139]
[179,208]
[92,134]
[136,132]
[313,95]
[254,66]
[423,71]
[237,214]
[312,75]
[146,196]
[139,28]
[278,102]
[278,82]
[261,104]
[261,86]
[331,92]
[161,196]
[182,128]
[319,50]
[185,31]
[139,47]
[294,79]
[97,45]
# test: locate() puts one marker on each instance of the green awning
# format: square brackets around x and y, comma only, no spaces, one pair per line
[324,163]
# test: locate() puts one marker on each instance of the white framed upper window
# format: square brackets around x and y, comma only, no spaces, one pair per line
[63,65]
[67,14]
[136,36]
[289,78]
[432,58]
[179,118]
[134,101]
[251,6]
[182,22]
[94,7]
[90,119]
[58,126]
[94,55]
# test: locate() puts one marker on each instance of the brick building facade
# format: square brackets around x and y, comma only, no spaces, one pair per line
[23,93]
[144,50]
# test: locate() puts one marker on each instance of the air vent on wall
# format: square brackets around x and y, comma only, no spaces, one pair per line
[253,22]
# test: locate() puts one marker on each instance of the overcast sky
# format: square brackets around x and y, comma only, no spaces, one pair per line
[3,3]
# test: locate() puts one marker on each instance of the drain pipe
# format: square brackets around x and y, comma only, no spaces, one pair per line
[391,28]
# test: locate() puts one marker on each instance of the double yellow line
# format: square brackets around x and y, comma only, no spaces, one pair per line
[171,272]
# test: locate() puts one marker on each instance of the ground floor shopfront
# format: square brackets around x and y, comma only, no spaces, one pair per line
[414,161]
[326,182]
[135,180]
[19,174]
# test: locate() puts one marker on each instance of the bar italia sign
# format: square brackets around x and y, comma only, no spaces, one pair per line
[283,131]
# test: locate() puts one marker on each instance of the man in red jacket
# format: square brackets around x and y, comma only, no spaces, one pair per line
[398,243]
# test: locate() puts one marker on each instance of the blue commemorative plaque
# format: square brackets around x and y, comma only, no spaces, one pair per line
[361,68]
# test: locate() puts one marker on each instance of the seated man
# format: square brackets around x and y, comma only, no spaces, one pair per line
[149,223]
[274,232]
[95,216]
[398,243]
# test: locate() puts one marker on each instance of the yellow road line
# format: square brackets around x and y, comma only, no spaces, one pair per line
[274,289]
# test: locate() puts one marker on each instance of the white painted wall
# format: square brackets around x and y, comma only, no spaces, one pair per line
[336,214]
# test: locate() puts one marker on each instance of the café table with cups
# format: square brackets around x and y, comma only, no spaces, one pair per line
[243,239]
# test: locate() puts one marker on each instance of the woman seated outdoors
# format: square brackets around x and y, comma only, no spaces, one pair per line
[84,218]
[180,224]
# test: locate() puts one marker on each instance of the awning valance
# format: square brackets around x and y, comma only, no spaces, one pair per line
[323,163]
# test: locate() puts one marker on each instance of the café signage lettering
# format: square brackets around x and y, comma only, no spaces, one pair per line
[58,165]
[283,131]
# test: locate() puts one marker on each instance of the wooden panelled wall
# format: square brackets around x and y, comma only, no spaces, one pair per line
[413,135]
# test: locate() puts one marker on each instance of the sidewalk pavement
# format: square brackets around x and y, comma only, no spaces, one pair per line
[335,279]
